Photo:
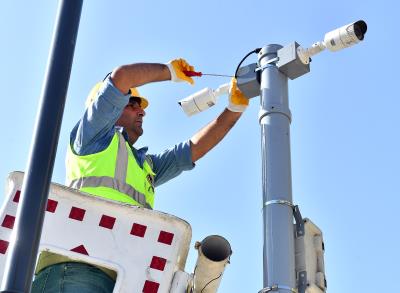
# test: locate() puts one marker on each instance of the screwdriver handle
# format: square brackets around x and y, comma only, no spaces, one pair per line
[192,73]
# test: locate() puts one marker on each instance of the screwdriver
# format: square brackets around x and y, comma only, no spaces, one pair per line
[195,73]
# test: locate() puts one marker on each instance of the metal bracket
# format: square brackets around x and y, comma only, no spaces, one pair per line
[299,221]
[296,214]
[302,282]
[276,288]
[248,81]
[302,279]
[290,63]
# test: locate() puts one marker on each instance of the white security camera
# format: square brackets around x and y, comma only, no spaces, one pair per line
[202,100]
[343,37]
[346,36]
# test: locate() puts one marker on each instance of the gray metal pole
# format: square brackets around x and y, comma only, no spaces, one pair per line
[275,117]
[29,220]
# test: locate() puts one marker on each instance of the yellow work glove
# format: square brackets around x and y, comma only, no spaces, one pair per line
[237,100]
[177,68]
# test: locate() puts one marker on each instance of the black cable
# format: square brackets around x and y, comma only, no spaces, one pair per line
[210,282]
[257,50]
[107,76]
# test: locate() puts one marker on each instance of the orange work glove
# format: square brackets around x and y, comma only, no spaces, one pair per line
[238,102]
[176,67]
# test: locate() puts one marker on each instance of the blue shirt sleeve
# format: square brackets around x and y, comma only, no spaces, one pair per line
[172,162]
[95,129]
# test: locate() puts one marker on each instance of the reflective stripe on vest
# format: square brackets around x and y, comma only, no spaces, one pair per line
[111,183]
[118,182]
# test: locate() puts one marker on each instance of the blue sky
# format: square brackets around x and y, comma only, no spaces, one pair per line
[344,131]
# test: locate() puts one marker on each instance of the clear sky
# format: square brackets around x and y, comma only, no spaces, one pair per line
[344,131]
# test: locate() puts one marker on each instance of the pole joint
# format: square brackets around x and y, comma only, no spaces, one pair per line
[274,109]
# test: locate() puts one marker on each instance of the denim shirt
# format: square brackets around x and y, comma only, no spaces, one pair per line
[95,130]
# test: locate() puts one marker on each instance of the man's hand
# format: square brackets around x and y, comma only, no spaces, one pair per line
[237,100]
[176,67]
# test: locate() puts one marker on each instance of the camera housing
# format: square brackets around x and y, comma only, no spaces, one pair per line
[345,36]
[202,100]
[340,38]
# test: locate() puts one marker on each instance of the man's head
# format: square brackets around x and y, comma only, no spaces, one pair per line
[132,115]
[132,119]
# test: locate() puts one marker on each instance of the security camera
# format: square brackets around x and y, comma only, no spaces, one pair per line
[346,36]
[202,100]
[343,37]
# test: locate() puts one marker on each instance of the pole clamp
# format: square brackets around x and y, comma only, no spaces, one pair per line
[296,214]
[279,201]
[267,64]
[276,288]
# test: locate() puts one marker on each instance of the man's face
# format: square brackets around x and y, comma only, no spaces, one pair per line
[132,119]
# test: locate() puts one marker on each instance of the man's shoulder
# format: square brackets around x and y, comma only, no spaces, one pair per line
[95,145]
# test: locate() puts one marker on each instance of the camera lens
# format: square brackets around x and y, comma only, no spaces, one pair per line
[360,28]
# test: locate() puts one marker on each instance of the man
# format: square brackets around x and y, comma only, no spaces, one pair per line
[102,161]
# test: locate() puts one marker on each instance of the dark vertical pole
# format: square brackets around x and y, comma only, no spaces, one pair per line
[22,258]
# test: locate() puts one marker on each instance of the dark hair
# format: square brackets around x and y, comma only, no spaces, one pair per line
[135,99]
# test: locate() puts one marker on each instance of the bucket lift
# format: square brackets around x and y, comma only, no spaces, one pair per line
[146,249]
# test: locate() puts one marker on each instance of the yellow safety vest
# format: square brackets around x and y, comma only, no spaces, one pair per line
[113,173]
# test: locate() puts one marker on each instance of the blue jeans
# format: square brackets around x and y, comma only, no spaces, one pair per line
[70,277]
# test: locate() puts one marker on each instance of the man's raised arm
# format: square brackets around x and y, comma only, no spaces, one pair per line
[133,75]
